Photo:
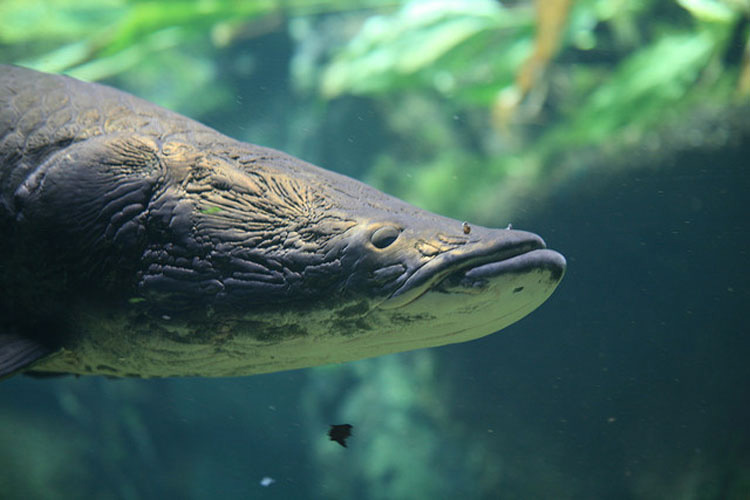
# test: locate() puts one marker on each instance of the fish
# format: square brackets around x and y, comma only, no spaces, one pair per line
[136,242]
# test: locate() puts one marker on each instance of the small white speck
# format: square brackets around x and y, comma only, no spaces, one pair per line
[166,317]
[510,226]
[267,481]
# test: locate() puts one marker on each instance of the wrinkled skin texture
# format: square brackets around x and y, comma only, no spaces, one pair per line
[137,242]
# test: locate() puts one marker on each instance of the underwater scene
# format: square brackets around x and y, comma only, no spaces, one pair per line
[186,315]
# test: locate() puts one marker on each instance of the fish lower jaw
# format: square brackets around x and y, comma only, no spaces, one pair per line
[474,276]
[464,313]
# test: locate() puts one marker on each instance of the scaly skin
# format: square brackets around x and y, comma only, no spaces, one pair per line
[137,242]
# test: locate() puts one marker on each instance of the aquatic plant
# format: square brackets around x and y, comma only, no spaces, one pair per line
[487,100]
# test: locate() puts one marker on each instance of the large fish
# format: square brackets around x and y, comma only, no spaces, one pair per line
[137,242]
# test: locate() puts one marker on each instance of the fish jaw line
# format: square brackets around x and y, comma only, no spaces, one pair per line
[460,313]
[460,260]
[475,279]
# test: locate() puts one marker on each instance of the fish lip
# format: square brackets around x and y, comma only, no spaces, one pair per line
[474,257]
[540,259]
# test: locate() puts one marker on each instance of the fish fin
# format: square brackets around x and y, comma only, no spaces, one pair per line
[18,353]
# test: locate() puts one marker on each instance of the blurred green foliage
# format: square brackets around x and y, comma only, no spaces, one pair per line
[456,49]
[405,95]
[433,77]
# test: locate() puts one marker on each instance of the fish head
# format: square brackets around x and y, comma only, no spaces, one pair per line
[272,240]
[433,280]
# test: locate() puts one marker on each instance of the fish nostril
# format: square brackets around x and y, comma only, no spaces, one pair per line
[384,236]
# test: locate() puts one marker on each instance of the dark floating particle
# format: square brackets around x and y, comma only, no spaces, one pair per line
[339,433]
[467,227]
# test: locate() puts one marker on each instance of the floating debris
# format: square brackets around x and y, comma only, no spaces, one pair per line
[339,433]
[267,481]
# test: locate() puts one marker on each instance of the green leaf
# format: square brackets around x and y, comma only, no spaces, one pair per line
[419,45]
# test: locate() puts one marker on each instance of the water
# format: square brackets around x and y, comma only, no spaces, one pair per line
[632,381]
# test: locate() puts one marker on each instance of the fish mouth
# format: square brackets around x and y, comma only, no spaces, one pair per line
[539,259]
[469,268]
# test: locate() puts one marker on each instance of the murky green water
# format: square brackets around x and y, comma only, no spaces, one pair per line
[632,381]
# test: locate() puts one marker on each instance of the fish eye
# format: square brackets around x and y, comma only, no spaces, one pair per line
[384,236]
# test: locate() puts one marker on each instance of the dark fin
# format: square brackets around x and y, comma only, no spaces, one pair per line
[18,353]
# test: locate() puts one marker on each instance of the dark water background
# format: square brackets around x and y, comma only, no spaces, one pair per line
[632,381]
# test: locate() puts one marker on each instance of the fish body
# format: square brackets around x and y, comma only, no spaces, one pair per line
[137,242]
